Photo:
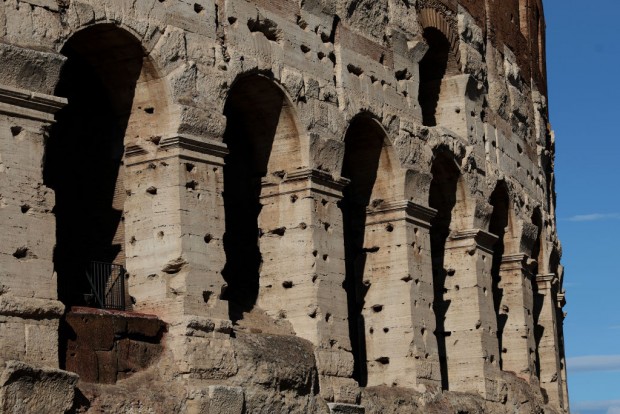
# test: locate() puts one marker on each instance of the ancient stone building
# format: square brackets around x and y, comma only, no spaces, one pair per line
[277,206]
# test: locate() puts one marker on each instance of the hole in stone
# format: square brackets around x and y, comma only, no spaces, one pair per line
[152,190]
[191,185]
[305,48]
[377,308]
[326,226]
[16,130]
[383,360]
[315,253]
[279,231]
[25,208]
[208,238]
[198,8]
[389,228]
[287,284]
[267,27]
[303,226]
[407,278]
[373,249]
[386,330]
[314,278]
[150,110]
[356,70]
[22,252]
[403,74]
[313,314]
[232,20]
[206,295]
[160,234]
[328,316]
[325,256]
[294,198]
[189,167]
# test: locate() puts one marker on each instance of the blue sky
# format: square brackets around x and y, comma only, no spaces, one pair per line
[583,63]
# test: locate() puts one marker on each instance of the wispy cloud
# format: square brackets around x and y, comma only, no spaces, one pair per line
[596,407]
[591,363]
[594,217]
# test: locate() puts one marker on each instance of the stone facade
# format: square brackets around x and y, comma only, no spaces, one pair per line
[324,206]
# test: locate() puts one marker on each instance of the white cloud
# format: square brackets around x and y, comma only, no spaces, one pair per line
[584,407]
[594,217]
[594,363]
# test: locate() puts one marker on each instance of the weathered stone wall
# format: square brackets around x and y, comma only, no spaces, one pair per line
[346,202]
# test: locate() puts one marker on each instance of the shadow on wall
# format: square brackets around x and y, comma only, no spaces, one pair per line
[363,146]
[263,145]
[84,154]
[443,198]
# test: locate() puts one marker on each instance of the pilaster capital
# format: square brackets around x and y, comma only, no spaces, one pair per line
[546,282]
[480,239]
[30,105]
[311,179]
[402,210]
[517,261]
[185,146]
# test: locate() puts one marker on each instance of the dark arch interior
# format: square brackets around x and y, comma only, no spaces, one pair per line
[499,222]
[436,64]
[537,255]
[84,154]
[442,197]
[363,144]
[253,111]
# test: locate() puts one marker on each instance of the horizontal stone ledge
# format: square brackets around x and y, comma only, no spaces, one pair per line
[31,308]
[418,214]
[31,105]
[196,144]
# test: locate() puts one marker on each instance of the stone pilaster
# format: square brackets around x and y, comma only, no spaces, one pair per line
[174,231]
[517,307]
[29,309]
[398,317]
[547,335]
[560,320]
[470,323]
[303,267]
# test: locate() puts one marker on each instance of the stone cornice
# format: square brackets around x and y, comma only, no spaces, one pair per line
[31,105]
[194,143]
[483,240]
[304,179]
[415,213]
[178,145]
[547,281]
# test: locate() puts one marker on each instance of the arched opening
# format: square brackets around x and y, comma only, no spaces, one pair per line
[264,145]
[114,99]
[438,63]
[498,226]
[368,165]
[537,255]
[84,163]
[443,198]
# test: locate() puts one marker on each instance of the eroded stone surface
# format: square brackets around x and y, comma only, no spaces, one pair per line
[343,202]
